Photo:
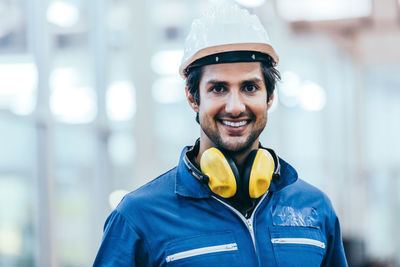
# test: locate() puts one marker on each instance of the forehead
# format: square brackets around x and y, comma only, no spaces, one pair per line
[232,72]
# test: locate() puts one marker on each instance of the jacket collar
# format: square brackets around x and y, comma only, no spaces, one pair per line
[288,175]
[187,185]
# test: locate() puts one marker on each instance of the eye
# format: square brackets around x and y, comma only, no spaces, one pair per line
[218,89]
[250,88]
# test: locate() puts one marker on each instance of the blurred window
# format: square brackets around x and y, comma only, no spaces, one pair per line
[16,220]
[169,90]
[18,82]
[18,204]
[75,177]
[71,100]
[121,101]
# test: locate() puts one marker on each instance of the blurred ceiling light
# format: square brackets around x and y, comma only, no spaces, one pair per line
[62,13]
[10,240]
[73,105]
[71,102]
[251,3]
[121,147]
[121,101]
[317,10]
[290,83]
[18,87]
[169,90]
[116,197]
[293,92]
[312,96]
[289,89]
[166,62]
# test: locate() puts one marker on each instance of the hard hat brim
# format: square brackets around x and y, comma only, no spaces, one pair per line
[257,47]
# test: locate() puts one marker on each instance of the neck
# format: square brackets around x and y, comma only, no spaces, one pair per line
[240,157]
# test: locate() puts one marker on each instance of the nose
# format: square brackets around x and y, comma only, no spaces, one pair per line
[234,104]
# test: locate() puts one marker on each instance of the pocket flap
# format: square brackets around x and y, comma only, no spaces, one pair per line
[203,250]
[296,232]
[298,246]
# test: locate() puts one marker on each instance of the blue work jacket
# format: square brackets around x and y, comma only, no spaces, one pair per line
[175,220]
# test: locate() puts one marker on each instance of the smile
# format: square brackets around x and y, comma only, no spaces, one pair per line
[235,124]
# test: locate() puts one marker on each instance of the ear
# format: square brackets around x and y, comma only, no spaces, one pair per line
[270,101]
[191,100]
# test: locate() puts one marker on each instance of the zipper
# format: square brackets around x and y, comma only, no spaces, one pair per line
[201,251]
[300,241]
[247,222]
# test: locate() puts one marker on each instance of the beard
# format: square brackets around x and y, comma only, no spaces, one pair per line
[233,144]
[233,147]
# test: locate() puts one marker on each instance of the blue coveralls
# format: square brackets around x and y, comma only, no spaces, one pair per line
[176,221]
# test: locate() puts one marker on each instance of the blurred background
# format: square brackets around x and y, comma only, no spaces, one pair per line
[92,107]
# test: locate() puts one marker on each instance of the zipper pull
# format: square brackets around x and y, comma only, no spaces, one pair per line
[250,225]
[231,246]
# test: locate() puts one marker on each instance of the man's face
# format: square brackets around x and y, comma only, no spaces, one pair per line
[233,105]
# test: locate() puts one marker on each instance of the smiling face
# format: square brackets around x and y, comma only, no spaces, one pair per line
[233,106]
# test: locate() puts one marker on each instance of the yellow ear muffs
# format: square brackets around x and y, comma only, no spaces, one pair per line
[258,172]
[224,178]
[220,172]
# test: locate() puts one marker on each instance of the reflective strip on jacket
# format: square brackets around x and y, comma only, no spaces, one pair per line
[176,221]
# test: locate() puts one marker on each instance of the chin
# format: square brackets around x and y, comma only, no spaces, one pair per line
[236,146]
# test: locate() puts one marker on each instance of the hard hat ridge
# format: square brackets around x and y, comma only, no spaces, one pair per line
[225,28]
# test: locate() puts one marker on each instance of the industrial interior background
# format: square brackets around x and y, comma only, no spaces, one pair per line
[92,106]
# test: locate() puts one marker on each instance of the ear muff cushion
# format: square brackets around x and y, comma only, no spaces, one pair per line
[260,175]
[222,179]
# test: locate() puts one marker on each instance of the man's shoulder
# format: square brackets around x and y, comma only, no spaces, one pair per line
[302,204]
[159,189]
[304,186]
[158,183]
[304,192]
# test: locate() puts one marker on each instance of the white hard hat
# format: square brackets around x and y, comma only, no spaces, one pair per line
[226,28]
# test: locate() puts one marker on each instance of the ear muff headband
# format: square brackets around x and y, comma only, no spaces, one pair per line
[261,173]
[222,179]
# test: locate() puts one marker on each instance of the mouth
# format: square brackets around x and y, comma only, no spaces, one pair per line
[236,127]
[235,124]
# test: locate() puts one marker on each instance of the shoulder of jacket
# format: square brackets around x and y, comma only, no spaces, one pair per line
[160,187]
[306,191]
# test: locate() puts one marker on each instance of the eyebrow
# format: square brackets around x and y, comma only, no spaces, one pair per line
[223,83]
[254,80]
[216,82]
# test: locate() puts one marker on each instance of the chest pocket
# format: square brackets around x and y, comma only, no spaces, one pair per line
[219,249]
[297,246]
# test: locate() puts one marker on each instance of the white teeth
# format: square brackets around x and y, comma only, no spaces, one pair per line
[234,124]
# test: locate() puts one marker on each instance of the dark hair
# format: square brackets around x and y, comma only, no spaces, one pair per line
[193,77]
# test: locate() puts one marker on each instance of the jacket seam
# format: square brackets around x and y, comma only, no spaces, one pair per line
[328,229]
[138,232]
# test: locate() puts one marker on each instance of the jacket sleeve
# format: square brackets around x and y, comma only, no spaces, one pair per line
[121,244]
[335,256]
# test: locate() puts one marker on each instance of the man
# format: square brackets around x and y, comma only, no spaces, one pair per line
[229,202]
